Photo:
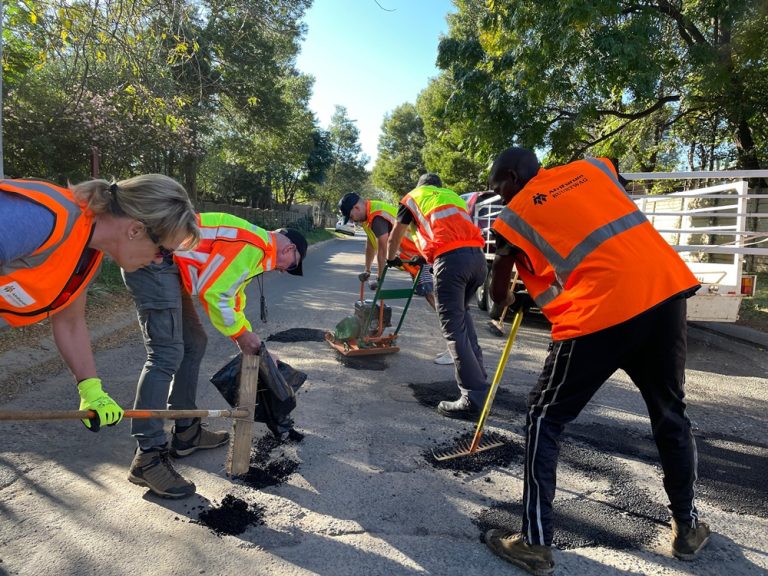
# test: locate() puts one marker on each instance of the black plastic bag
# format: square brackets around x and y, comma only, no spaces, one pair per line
[276,393]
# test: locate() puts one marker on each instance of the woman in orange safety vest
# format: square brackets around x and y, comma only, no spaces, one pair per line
[52,240]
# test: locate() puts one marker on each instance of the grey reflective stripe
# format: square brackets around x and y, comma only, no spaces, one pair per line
[416,211]
[73,213]
[564,267]
[445,212]
[607,171]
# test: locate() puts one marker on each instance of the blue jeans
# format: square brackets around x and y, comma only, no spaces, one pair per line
[175,342]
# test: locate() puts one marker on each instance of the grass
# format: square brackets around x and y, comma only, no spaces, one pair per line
[754,310]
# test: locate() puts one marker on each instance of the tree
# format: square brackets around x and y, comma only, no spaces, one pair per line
[399,163]
[346,172]
[575,76]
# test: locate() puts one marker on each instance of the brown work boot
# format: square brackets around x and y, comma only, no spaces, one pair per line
[154,470]
[513,548]
[195,437]
[688,538]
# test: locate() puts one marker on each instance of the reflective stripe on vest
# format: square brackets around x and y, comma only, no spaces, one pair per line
[47,281]
[442,222]
[596,259]
[198,267]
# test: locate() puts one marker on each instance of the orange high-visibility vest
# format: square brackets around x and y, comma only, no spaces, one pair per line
[408,249]
[50,279]
[441,220]
[223,237]
[592,258]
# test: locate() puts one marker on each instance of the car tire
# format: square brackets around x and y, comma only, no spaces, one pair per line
[482,296]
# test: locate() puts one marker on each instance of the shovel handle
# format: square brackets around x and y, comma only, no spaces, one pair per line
[83,414]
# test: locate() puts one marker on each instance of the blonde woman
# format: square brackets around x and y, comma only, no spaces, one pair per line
[52,240]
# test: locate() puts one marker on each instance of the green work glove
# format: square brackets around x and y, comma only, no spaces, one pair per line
[92,397]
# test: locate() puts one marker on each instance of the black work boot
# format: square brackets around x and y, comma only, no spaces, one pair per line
[514,549]
[154,470]
[688,538]
[195,437]
[461,408]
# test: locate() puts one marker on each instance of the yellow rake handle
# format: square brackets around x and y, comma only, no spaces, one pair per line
[496,380]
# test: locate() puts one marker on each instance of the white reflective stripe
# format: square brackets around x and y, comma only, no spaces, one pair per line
[425,227]
[210,233]
[446,211]
[210,270]
[227,311]
[201,257]
[193,279]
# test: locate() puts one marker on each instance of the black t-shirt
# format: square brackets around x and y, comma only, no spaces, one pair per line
[404,215]
[380,226]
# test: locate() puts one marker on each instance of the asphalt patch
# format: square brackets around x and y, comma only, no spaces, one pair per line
[298,335]
[626,516]
[504,455]
[731,472]
[264,470]
[362,362]
[232,517]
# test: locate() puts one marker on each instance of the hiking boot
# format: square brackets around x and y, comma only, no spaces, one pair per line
[444,358]
[154,470]
[195,437]
[461,408]
[513,548]
[688,541]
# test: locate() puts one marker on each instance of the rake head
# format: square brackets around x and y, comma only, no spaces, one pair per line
[464,447]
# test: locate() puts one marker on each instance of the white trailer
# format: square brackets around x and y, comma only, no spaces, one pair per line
[713,228]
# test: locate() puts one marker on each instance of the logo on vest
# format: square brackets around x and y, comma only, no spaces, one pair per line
[539,199]
[15,295]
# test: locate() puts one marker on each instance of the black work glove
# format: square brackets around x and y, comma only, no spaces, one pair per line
[373,284]
[363,276]
[418,261]
[523,301]
[395,262]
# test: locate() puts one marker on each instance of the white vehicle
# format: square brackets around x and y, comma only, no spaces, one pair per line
[712,228]
[348,228]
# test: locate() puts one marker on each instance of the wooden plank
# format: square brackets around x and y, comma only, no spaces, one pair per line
[239,456]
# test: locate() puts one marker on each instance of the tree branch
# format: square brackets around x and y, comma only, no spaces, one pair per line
[635,115]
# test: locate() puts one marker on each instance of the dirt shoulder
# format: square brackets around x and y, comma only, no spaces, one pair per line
[28,354]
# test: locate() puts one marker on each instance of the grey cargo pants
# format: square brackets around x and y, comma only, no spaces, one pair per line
[175,342]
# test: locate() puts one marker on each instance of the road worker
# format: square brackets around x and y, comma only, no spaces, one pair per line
[377,219]
[52,240]
[449,241]
[615,293]
[231,252]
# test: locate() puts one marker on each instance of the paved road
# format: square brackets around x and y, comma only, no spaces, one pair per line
[364,497]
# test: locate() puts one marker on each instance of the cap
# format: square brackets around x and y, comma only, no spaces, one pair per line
[301,245]
[429,179]
[346,204]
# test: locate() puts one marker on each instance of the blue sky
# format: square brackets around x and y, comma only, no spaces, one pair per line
[370,60]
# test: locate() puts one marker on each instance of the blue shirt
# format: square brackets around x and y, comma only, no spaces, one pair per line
[24,226]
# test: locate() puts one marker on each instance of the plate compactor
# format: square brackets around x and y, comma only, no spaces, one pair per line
[363,333]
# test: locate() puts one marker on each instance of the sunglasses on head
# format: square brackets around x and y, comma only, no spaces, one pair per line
[162,250]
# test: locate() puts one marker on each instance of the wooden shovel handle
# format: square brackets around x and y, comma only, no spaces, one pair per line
[82,414]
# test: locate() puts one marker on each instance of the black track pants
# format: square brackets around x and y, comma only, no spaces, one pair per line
[651,349]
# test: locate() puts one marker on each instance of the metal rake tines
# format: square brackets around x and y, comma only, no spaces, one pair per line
[463,447]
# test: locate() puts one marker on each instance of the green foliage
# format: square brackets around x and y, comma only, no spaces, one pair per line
[399,163]
[657,84]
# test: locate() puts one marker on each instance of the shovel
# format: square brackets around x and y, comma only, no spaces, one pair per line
[480,444]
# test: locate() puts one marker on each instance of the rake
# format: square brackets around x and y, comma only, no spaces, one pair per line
[478,443]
